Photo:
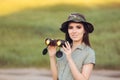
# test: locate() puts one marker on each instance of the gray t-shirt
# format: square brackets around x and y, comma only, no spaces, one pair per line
[81,55]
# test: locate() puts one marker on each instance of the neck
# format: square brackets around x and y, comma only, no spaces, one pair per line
[76,44]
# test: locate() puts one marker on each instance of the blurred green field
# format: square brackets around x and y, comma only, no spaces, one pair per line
[22,34]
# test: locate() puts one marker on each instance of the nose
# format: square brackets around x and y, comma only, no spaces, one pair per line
[74,30]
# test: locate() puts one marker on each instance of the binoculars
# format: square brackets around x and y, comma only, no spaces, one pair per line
[54,42]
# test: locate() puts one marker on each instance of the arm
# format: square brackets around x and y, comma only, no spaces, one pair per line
[53,64]
[86,71]
[53,67]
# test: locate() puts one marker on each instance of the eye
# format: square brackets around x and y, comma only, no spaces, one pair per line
[78,27]
[70,27]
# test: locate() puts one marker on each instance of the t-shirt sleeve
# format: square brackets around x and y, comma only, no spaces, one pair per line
[90,57]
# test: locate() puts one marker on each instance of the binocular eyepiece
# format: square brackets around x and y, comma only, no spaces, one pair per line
[54,42]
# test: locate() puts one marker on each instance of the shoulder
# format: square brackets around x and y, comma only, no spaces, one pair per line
[90,58]
[90,50]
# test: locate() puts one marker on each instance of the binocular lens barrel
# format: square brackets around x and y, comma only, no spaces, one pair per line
[60,43]
[47,42]
[53,42]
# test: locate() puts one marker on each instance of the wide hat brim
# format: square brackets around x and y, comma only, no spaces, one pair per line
[87,26]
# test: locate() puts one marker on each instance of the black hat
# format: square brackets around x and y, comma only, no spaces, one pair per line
[76,17]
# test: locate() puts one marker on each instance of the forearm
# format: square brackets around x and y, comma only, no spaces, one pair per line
[75,72]
[53,66]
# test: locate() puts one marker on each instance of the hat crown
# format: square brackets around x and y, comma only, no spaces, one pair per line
[76,17]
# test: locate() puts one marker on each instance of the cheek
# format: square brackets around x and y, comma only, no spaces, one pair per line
[69,32]
[82,31]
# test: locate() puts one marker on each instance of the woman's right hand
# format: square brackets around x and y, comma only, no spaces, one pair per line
[52,51]
[53,64]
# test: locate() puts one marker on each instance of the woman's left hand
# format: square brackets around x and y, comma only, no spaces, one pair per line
[67,49]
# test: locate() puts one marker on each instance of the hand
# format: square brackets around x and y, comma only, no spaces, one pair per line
[52,51]
[67,49]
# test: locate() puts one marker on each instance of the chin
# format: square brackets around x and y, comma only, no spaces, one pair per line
[76,40]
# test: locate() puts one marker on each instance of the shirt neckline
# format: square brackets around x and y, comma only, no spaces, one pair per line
[81,46]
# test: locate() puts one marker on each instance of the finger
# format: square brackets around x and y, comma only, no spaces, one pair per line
[68,44]
[52,47]
[64,48]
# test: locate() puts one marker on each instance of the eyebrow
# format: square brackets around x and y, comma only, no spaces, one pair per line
[76,25]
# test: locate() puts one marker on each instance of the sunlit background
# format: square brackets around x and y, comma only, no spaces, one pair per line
[24,24]
[11,6]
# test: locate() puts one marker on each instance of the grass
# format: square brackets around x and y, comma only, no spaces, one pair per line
[22,34]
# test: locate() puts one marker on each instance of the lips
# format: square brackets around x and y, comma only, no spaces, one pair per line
[74,36]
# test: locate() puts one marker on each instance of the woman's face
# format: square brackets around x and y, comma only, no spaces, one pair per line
[76,31]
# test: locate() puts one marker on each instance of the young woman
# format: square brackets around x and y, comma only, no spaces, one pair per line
[78,57]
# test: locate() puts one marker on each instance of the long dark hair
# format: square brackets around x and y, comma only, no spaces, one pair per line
[85,37]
